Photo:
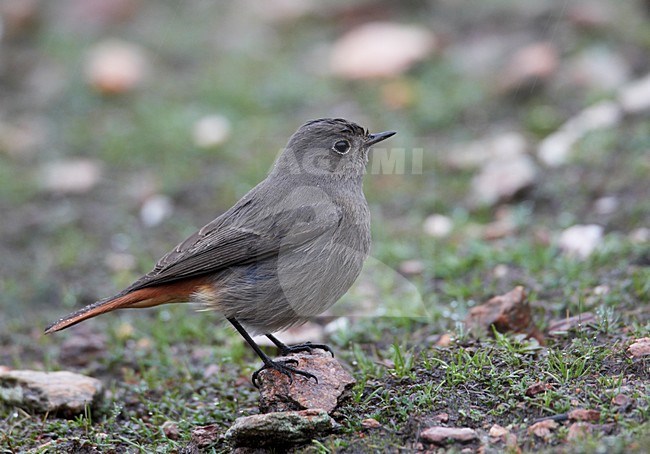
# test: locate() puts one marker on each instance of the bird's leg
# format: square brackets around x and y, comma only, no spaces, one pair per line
[306,347]
[281,366]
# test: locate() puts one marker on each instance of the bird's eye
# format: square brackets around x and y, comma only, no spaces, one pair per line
[341,147]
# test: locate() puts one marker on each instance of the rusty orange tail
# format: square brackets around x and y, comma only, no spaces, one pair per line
[146,297]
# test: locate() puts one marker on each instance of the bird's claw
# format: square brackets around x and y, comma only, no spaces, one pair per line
[306,347]
[283,368]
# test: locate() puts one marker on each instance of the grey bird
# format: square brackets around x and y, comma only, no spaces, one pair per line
[284,253]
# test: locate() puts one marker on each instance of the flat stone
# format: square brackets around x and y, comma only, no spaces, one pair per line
[280,428]
[280,393]
[63,393]
[439,434]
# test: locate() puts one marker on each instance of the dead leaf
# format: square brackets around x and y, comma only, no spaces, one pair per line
[563,325]
[508,312]
[498,432]
[538,388]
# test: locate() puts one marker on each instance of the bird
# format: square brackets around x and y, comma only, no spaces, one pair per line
[284,253]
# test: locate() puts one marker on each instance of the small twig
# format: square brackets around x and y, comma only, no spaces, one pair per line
[560,417]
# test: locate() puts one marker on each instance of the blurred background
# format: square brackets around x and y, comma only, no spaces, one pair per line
[522,151]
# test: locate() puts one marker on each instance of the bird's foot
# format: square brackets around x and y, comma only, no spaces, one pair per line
[282,367]
[306,347]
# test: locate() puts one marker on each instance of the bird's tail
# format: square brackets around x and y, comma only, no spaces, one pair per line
[145,297]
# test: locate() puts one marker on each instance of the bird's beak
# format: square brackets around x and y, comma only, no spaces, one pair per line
[376,138]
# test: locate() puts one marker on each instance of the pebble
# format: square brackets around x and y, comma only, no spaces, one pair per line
[438,225]
[115,67]
[155,210]
[580,241]
[532,64]
[211,131]
[635,97]
[380,50]
[72,176]
[439,434]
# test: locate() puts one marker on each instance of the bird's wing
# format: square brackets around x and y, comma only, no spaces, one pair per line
[227,242]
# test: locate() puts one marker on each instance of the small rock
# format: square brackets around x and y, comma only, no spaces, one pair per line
[280,428]
[370,423]
[564,325]
[438,226]
[478,153]
[623,402]
[411,267]
[81,349]
[606,205]
[445,340]
[538,388]
[279,393]
[74,176]
[542,429]
[170,429]
[204,436]
[380,49]
[156,209]
[640,347]
[604,114]
[500,271]
[498,229]
[556,148]
[635,97]
[580,414]
[599,68]
[441,418]
[498,433]
[439,434]
[508,312]
[211,131]
[579,430]
[502,179]
[530,65]
[640,235]
[64,393]
[115,67]
[580,241]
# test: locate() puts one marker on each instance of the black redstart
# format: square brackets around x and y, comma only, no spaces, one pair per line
[287,251]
